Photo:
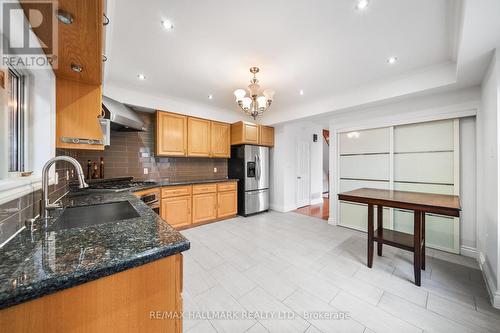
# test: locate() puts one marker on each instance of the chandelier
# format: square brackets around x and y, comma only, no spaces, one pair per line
[256,103]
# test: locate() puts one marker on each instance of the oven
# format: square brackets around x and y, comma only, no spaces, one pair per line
[151,198]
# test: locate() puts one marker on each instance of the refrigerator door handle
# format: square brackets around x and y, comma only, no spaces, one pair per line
[259,167]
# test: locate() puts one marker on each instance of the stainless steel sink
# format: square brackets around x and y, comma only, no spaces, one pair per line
[84,216]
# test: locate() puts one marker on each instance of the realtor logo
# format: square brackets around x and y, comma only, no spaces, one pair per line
[29,33]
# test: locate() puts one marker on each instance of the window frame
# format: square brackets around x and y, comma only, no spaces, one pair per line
[21,85]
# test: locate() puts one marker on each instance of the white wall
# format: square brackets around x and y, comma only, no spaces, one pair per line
[283,164]
[487,177]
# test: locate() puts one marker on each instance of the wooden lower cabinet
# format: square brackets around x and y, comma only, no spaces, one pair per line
[120,302]
[176,210]
[227,204]
[204,207]
[190,205]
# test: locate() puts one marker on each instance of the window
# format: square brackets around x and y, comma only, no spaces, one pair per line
[16,108]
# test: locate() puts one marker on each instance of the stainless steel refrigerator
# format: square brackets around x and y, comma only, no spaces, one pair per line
[250,164]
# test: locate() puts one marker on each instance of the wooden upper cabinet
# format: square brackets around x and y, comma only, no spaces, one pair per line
[266,137]
[79,43]
[171,134]
[220,138]
[179,135]
[244,133]
[77,107]
[198,133]
[251,134]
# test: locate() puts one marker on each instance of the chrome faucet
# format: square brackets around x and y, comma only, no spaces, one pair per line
[45,205]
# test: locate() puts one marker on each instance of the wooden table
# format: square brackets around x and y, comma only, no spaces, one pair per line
[420,203]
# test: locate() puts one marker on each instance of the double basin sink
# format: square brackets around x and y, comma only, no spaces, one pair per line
[85,216]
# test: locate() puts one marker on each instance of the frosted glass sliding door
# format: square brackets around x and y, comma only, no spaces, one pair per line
[425,160]
[419,157]
[364,161]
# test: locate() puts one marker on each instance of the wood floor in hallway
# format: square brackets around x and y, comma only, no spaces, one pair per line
[321,211]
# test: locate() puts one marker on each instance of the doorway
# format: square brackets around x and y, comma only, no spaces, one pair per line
[320,161]
[303,182]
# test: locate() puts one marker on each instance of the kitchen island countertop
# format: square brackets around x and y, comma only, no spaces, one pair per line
[39,263]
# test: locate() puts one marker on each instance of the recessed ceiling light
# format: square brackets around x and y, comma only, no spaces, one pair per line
[141,76]
[301,92]
[392,60]
[210,96]
[167,25]
[361,4]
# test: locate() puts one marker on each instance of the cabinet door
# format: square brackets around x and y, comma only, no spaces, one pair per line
[227,204]
[177,211]
[198,137]
[244,133]
[171,134]
[77,107]
[204,207]
[266,136]
[220,140]
[250,133]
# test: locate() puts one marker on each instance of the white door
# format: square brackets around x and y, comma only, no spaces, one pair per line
[303,174]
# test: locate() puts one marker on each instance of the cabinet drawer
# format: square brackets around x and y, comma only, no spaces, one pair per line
[229,186]
[175,191]
[204,188]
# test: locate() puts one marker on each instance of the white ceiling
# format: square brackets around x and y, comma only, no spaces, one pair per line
[324,47]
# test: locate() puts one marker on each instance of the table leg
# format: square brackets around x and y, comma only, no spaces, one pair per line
[370,235]
[417,239]
[423,240]
[380,225]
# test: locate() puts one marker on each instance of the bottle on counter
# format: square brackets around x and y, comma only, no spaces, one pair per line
[95,172]
[101,168]
[89,169]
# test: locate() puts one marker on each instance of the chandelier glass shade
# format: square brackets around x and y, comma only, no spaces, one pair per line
[253,101]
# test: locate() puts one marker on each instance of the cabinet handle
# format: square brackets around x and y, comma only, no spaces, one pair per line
[80,140]
[106,20]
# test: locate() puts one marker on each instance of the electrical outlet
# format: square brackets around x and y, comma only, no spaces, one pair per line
[56,181]
[146,171]
[215,170]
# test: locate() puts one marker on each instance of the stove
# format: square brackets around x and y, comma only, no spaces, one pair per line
[117,184]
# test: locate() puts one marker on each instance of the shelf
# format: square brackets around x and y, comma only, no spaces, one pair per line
[395,238]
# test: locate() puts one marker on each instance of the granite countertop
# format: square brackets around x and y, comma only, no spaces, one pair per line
[207,181]
[161,183]
[38,263]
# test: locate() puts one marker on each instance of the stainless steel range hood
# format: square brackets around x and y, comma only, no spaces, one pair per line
[121,116]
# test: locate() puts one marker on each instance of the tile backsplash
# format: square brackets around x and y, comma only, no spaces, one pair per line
[129,154]
[14,213]
[132,152]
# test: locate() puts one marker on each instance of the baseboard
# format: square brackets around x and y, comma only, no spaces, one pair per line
[317,201]
[280,208]
[489,277]
[470,252]
[332,221]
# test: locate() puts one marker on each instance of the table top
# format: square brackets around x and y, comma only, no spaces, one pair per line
[428,202]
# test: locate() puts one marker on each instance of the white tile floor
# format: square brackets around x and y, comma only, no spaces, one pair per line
[296,265]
